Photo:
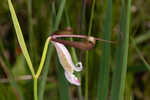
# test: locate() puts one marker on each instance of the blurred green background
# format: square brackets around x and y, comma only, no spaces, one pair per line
[37,21]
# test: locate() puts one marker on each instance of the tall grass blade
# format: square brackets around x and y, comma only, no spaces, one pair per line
[63,84]
[118,82]
[103,82]
[32,38]
[51,49]
[47,62]
[20,37]
[73,52]
[87,53]
[59,14]
[45,73]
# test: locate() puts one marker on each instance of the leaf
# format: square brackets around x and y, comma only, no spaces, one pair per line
[20,37]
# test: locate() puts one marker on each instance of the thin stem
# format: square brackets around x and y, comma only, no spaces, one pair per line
[73,52]
[86,76]
[56,25]
[91,18]
[35,88]
[70,35]
[60,11]
[80,36]
[87,54]
[82,18]
[140,55]
[43,57]
[40,67]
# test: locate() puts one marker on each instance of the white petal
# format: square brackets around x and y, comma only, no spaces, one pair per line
[72,78]
[79,67]
[65,58]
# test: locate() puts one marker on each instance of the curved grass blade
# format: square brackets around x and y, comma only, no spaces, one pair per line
[20,37]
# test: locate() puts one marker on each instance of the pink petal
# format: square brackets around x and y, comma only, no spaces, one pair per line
[72,78]
[65,58]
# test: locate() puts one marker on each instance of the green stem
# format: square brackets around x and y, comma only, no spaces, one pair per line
[43,58]
[87,54]
[60,11]
[35,88]
[86,76]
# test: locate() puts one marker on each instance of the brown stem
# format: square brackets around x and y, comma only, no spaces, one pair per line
[79,36]
[81,45]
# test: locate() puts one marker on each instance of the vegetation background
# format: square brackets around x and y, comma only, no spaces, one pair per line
[38,19]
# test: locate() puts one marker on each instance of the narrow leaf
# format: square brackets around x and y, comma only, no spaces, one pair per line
[20,37]
[119,77]
[103,82]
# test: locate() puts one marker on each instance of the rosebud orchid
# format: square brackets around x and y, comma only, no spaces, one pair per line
[64,55]
[67,63]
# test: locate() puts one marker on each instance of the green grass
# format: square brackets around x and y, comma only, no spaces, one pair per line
[118,71]
[104,68]
[119,75]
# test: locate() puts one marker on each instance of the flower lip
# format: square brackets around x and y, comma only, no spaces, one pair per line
[72,78]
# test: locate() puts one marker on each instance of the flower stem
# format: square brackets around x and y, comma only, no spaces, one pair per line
[35,88]
[43,57]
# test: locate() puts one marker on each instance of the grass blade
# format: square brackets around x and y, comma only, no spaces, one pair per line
[50,49]
[73,51]
[43,58]
[59,14]
[20,37]
[47,63]
[118,82]
[87,53]
[103,82]
[63,84]
[44,75]
[117,71]
[140,55]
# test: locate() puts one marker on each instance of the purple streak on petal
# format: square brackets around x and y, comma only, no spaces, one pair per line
[72,78]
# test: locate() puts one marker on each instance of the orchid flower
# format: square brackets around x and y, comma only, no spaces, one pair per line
[67,63]
[64,55]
